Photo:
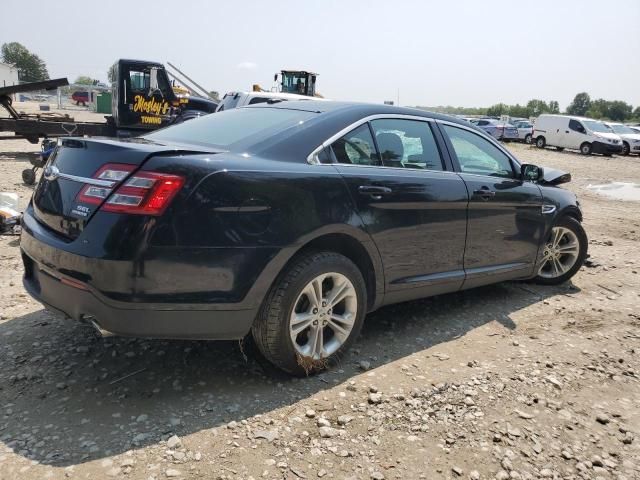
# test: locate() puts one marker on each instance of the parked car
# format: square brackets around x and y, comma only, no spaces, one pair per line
[630,137]
[81,98]
[634,127]
[576,133]
[496,128]
[242,99]
[525,130]
[288,221]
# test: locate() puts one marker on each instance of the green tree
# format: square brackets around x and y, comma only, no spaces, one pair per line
[518,110]
[497,110]
[554,107]
[581,103]
[111,73]
[85,80]
[31,68]
[537,107]
[619,110]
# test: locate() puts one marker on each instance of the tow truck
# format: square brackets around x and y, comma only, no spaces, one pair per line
[143,99]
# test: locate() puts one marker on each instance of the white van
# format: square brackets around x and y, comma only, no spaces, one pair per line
[577,133]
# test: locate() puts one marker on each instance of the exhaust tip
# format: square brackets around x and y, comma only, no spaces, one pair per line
[94,323]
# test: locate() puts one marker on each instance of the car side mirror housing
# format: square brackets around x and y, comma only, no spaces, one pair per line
[531,173]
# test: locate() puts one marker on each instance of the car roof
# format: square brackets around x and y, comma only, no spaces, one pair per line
[322,106]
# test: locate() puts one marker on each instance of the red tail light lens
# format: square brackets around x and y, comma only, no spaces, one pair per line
[145,193]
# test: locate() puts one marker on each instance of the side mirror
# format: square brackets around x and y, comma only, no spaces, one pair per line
[531,173]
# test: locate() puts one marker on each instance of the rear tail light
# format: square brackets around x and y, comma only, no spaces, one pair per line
[144,193]
[113,172]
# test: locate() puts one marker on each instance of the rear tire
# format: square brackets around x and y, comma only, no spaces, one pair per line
[585,148]
[527,139]
[541,142]
[625,149]
[564,252]
[298,328]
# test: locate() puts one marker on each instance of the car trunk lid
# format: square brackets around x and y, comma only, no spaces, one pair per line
[61,200]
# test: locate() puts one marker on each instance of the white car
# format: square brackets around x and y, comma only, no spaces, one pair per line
[630,137]
[576,133]
[242,99]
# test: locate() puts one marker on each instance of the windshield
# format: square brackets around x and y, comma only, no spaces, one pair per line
[622,129]
[596,126]
[237,127]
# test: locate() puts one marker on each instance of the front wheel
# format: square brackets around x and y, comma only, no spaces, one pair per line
[541,142]
[564,252]
[312,314]
[527,139]
[585,148]
[625,148]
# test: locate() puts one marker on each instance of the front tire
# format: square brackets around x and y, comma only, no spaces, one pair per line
[564,252]
[313,313]
[585,148]
[541,142]
[625,149]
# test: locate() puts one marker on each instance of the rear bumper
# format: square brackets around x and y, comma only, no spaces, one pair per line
[167,299]
[77,301]
[602,148]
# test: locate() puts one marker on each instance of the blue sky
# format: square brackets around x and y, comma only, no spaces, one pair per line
[458,52]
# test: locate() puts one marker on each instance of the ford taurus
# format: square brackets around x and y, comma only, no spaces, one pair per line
[289,222]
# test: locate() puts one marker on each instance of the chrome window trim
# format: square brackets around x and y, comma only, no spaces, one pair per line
[312,158]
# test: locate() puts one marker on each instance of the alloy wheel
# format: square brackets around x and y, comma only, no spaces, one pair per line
[560,253]
[323,316]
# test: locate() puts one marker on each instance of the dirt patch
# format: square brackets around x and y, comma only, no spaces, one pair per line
[508,381]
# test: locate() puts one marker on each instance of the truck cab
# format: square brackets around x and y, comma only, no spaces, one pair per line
[299,82]
[144,99]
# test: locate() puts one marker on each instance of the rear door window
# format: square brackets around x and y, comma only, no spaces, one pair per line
[356,148]
[407,144]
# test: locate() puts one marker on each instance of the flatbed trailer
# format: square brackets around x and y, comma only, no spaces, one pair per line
[33,127]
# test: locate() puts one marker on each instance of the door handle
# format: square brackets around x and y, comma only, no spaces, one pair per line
[485,193]
[566,131]
[374,191]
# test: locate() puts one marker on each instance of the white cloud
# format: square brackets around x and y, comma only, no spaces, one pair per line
[247,66]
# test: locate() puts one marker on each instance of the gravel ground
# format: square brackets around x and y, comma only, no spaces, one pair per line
[512,381]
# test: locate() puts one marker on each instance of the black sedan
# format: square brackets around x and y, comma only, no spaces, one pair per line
[290,222]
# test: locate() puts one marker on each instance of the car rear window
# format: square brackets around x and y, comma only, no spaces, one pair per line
[240,126]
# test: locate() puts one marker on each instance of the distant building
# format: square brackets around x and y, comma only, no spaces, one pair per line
[8,75]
